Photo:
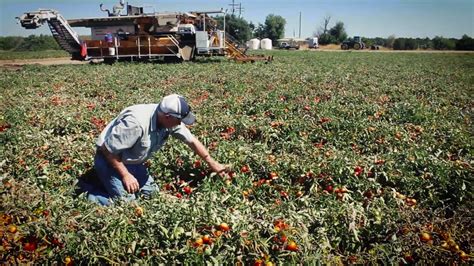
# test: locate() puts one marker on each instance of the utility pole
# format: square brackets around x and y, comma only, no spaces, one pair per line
[299,36]
[240,10]
[233,5]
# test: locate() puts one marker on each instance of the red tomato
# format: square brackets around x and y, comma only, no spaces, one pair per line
[187,190]
[273,175]
[29,246]
[358,170]
[169,187]
[245,169]
[292,246]
[56,242]
[207,239]
[217,233]
[224,227]
[280,225]
[198,242]
[281,238]
[409,258]
[324,120]
[258,262]
[369,194]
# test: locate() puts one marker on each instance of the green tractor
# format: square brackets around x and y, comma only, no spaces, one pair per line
[353,43]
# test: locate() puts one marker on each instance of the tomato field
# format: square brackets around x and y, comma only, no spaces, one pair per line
[336,157]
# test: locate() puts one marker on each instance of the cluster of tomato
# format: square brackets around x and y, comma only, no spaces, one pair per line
[227,133]
[269,181]
[411,202]
[265,261]
[209,234]
[272,176]
[30,246]
[4,126]
[98,123]
[179,188]
[447,242]
[432,235]
[280,239]
[280,242]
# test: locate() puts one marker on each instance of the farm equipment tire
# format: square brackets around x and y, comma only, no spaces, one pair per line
[344,46]
[109,61]
[357,46]
[173,59]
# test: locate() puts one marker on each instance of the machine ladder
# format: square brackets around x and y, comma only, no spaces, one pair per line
[62,32]
[232,47]
[233,51]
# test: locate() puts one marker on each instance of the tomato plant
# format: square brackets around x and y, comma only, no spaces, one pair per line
[331,162]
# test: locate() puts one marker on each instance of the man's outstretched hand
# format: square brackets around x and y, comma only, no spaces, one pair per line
[219,169]
[130,183]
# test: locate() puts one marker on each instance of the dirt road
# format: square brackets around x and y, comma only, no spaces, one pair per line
[18,63]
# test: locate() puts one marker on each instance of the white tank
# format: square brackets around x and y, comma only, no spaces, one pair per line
[253,44]
[266,44]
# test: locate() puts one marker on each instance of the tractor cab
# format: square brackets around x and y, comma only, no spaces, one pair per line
[353,43]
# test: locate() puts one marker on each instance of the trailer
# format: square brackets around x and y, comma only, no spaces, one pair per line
[170,36]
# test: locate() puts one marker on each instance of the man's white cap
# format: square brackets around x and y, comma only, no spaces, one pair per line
[175,105]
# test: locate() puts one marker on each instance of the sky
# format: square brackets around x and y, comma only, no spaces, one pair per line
[367,18]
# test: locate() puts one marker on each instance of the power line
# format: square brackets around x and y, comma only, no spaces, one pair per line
[236,7]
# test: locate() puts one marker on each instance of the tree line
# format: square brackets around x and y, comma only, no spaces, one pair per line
[30,43]
[274,29]
[337,34]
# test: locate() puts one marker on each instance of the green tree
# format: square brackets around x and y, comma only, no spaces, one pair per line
[441,43]
[239,28]
[326,38]
[338,32]
[465,43]
[38,43]
[399,44]
[10,42]
[380,41]
[259,31]
[424,43]
[274,27]
[411,44]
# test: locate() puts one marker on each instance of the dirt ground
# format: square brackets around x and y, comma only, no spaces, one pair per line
[18,63]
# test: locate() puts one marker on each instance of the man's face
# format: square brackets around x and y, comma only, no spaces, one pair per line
[170,121]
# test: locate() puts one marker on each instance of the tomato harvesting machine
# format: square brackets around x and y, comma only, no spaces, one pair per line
[171,36]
